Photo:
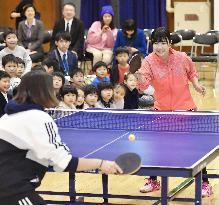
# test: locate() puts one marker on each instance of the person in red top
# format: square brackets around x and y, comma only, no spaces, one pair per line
[169,72]
[121,67]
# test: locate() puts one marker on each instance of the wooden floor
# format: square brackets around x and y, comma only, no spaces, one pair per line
[131,184]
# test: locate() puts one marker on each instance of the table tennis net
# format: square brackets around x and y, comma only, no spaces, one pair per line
[137,120]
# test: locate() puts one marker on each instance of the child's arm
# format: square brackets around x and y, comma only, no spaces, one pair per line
[199,88]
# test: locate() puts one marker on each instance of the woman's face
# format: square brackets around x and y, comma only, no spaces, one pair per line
[161,49]
[130,33]
[30,13]
[107,19]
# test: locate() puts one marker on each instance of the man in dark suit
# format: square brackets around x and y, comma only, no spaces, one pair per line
[72,25]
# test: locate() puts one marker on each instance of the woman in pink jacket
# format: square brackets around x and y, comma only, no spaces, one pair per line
[101,36]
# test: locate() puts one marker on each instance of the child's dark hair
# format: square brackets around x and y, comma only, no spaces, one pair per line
[126,76]
[8,32]
[52,62]
[20,61]
[129,25]
[63,35]
[103,86]
[160,34]
[4,74]
[76,71]
[121,50]
[61,75]
[9,58]
[68,89]
[98,65]
[90,89]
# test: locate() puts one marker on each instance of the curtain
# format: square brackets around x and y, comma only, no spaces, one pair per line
[90,10]
[147,13]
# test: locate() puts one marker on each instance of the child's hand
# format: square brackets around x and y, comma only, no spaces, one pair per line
[105,28]
[200,89]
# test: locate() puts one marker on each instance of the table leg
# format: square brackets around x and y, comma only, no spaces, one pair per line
[198,189]
[105,187]
[164,190]
[72,186]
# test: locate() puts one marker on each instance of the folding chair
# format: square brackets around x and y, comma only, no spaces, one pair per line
[205,58]
[148,33]
[187,36]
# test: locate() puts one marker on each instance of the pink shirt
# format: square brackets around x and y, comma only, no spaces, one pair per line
[97,39]
[170,80]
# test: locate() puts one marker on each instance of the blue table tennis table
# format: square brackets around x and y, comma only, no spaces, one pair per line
[177,144]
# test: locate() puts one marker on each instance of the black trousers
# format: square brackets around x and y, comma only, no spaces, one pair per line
[28,198]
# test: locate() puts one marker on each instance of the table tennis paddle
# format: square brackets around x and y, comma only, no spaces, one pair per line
[129,162]
[135,63]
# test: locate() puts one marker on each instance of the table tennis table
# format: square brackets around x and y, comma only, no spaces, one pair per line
[176,144]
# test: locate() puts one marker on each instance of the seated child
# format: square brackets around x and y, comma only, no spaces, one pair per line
[105,95]
[20,68]
[58,83]
[51,65]
[77,78]
[68,97]
[100,70]
[4,87]
[80,99]
[131,95]
[118,96]
[121,67]
[10,65]
[90,96]
[67,59]
[12,47]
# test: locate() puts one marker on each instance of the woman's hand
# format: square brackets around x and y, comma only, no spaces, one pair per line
[15,15]
[110,167]
[105,28]
[200,89]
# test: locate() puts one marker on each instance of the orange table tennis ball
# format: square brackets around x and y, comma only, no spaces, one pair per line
[131,137]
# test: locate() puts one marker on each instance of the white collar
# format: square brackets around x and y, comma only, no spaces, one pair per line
[62,53]
[33,24]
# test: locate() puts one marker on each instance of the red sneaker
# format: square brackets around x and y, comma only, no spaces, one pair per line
[150,186]
[206,189]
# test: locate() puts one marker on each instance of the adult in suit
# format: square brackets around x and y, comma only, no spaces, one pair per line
[31,34]
[74,26]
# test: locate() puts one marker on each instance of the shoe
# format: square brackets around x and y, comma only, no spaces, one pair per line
[206,189]
[150,186]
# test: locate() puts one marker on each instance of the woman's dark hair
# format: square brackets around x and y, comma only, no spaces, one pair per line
[90,89]
[112,25]
[28,6]
[129,25]
[61,75]
[36,87]
[68,89]
[160,34]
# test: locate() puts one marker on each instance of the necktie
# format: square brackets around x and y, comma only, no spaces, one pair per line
[65,64]
[67,28]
